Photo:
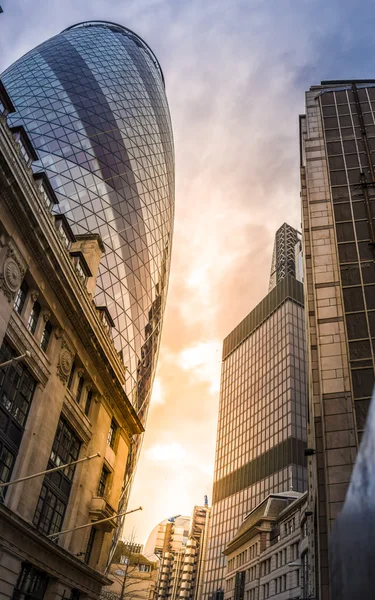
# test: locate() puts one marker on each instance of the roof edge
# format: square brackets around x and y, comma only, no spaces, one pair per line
[98,22]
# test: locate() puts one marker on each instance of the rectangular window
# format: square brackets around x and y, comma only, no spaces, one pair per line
[6,464]
[16,387]
[46,336]
[112,433]
[34,317]
[71,376]
[88,402]
[81,381]
[144,568]
[103,482]
[90,545]
[49,512]
[65,448]
[46,197]
[64,236]
[54,496]
[20,300]
[31,585]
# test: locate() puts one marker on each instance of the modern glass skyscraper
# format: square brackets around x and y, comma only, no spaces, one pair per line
[92,100]
[262,415]
[337,142]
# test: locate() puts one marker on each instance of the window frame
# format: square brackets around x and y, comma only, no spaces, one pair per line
[19,302]
[103,482]
[112,433]
[34,317]
[23,581]
[44,344]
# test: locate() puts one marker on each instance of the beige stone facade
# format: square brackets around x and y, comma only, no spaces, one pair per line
[132,573]
[63,401]
[268,556]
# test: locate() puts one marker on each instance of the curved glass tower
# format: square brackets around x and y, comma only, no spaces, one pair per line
[92,100]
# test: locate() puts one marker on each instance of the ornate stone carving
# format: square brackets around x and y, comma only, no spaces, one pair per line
[13,272]
[89,387]
[65,363]
[34,295]
[46,315]
[80,372]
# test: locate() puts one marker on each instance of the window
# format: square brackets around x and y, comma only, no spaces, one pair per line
[6,464]
[81,265]
[90,545]
[19,302]
[144,568]
[112,433]
[121,572]
[54,496]
[88,402]
[103,482]
[34,317]
[16,387]
[81,381]
[305,530]
[49,512]
[46,336]
[124,559]
[64,236]
[16,392]
[31,585]
[26,150]
[80,269]
[46,197]
[65,448]
[71,376]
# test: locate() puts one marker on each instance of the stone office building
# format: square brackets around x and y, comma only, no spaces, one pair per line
[61,392]
[268,556]
[337,141]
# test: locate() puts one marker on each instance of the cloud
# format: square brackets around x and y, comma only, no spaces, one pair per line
[157,393]
[203,360]
[166,453]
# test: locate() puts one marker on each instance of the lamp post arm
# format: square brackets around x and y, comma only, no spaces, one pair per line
[15,359]
[58,533]
[75,462]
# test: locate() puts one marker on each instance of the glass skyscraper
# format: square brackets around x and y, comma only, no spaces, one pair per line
[261,433]
[92,100]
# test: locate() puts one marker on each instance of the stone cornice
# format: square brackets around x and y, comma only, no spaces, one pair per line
[36,224]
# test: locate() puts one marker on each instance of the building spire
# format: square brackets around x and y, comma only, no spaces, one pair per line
[286,256]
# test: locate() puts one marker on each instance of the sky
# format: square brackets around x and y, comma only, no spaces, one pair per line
[236,72]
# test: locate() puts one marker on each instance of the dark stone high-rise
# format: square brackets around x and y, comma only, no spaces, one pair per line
[92,100]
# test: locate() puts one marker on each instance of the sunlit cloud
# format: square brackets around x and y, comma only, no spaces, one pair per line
[204,361]
[166,452]
[157,393]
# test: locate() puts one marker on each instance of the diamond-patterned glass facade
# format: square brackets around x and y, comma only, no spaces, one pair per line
[92,100]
